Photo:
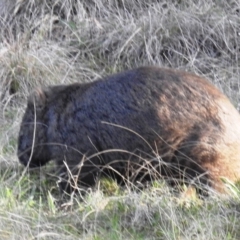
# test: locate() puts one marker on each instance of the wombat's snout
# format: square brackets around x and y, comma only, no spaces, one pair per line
[25,159]
[26,154]
[31,160]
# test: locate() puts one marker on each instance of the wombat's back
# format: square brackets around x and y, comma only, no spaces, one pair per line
[135,116]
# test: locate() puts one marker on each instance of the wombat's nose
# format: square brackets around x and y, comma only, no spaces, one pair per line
[27,159]
[23,158]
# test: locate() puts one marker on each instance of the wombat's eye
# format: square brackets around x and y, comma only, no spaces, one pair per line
[21,133]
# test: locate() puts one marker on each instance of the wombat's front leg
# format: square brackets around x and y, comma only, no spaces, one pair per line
[73,179]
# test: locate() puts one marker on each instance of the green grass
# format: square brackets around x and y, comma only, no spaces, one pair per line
[53,42]
[157,212]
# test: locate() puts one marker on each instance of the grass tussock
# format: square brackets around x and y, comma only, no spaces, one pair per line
[52,42]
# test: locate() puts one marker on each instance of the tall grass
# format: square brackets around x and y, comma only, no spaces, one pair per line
[52,42]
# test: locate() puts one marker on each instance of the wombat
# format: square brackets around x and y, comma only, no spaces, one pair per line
[144,123]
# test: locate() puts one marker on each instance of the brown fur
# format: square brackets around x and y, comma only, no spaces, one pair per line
[152,121]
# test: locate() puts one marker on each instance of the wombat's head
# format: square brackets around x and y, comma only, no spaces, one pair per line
[32,144]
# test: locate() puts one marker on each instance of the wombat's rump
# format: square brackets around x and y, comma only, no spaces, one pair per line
[143,123]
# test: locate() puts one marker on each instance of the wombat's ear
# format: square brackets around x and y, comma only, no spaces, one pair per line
[38,98]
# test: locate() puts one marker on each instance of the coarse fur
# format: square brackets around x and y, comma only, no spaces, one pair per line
[144,123]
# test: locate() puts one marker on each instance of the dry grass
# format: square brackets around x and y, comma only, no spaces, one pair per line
[50,42]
